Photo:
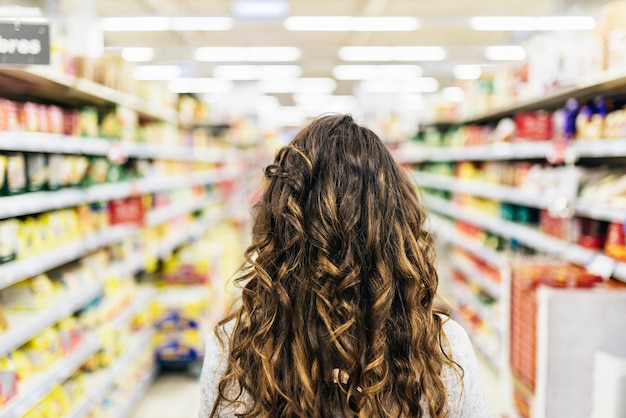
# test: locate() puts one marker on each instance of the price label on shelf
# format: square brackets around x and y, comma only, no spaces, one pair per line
[602,265]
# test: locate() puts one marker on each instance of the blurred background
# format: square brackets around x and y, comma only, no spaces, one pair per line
[133,135]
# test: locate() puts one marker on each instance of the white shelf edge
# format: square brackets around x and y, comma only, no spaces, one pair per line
[36,202]
[530,237]
[65,144]
[60,308]
[445,231]
[54,375]
[601,148]
[513,195]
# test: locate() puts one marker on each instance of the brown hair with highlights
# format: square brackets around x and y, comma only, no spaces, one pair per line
[337,314]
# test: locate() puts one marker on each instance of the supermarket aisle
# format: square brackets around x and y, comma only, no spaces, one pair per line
[173,395]
[177,395]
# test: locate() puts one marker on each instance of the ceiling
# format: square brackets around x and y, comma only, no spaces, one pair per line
[444,23]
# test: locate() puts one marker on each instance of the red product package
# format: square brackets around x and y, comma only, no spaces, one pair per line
[533,126]
[129,211]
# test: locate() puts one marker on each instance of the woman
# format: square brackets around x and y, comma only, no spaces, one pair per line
[336,316]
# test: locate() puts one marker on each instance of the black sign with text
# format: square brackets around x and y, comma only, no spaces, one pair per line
[22,43]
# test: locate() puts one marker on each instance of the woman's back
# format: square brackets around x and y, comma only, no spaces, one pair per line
[465,397]
[337,309]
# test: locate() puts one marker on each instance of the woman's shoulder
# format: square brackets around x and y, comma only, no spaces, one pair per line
[456,335]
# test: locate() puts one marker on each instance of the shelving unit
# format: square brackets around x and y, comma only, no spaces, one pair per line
[103,380]
[40,385]
[442,211]
[71,91]
[515,195]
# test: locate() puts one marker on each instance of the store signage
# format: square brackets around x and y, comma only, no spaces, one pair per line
[22,43]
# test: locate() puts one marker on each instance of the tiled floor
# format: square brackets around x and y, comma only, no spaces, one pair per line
[177,395]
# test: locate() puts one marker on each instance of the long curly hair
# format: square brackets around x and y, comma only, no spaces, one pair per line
[336,313]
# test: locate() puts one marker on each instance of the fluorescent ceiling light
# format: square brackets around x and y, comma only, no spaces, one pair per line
[467,72]
[200,85]
[135,24]
[392,53]
[416,85]
[242,54]
[19,11]
[259,8]
[350,23]
[505,53]
[533,23]
[257,72]
[200,23]
[160,23]
[365,72]
[156,72]
[298,85]
[138,54]
[453,94]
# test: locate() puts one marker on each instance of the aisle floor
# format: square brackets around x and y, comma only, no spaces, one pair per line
[177,395]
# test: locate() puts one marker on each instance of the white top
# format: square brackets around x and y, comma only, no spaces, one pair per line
[465,399]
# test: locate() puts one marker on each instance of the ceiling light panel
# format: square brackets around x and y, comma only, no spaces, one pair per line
[320,85]
[366,72]
[392,53]
[161,23]
[532,23]
[350,23]
[200,85]
[257,72]
[251,54]
[259,9]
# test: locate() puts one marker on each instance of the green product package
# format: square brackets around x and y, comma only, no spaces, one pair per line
[97,171]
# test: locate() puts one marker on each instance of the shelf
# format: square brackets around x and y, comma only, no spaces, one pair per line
[514,195]
[501,151]
[99,385]
[70,90]
[24,326]
[593,261]
[38,202]
[16,271]
[477,277]
[157,216]
[602,148]
[35,388]
[52,143]
[444,230]
[586,87]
